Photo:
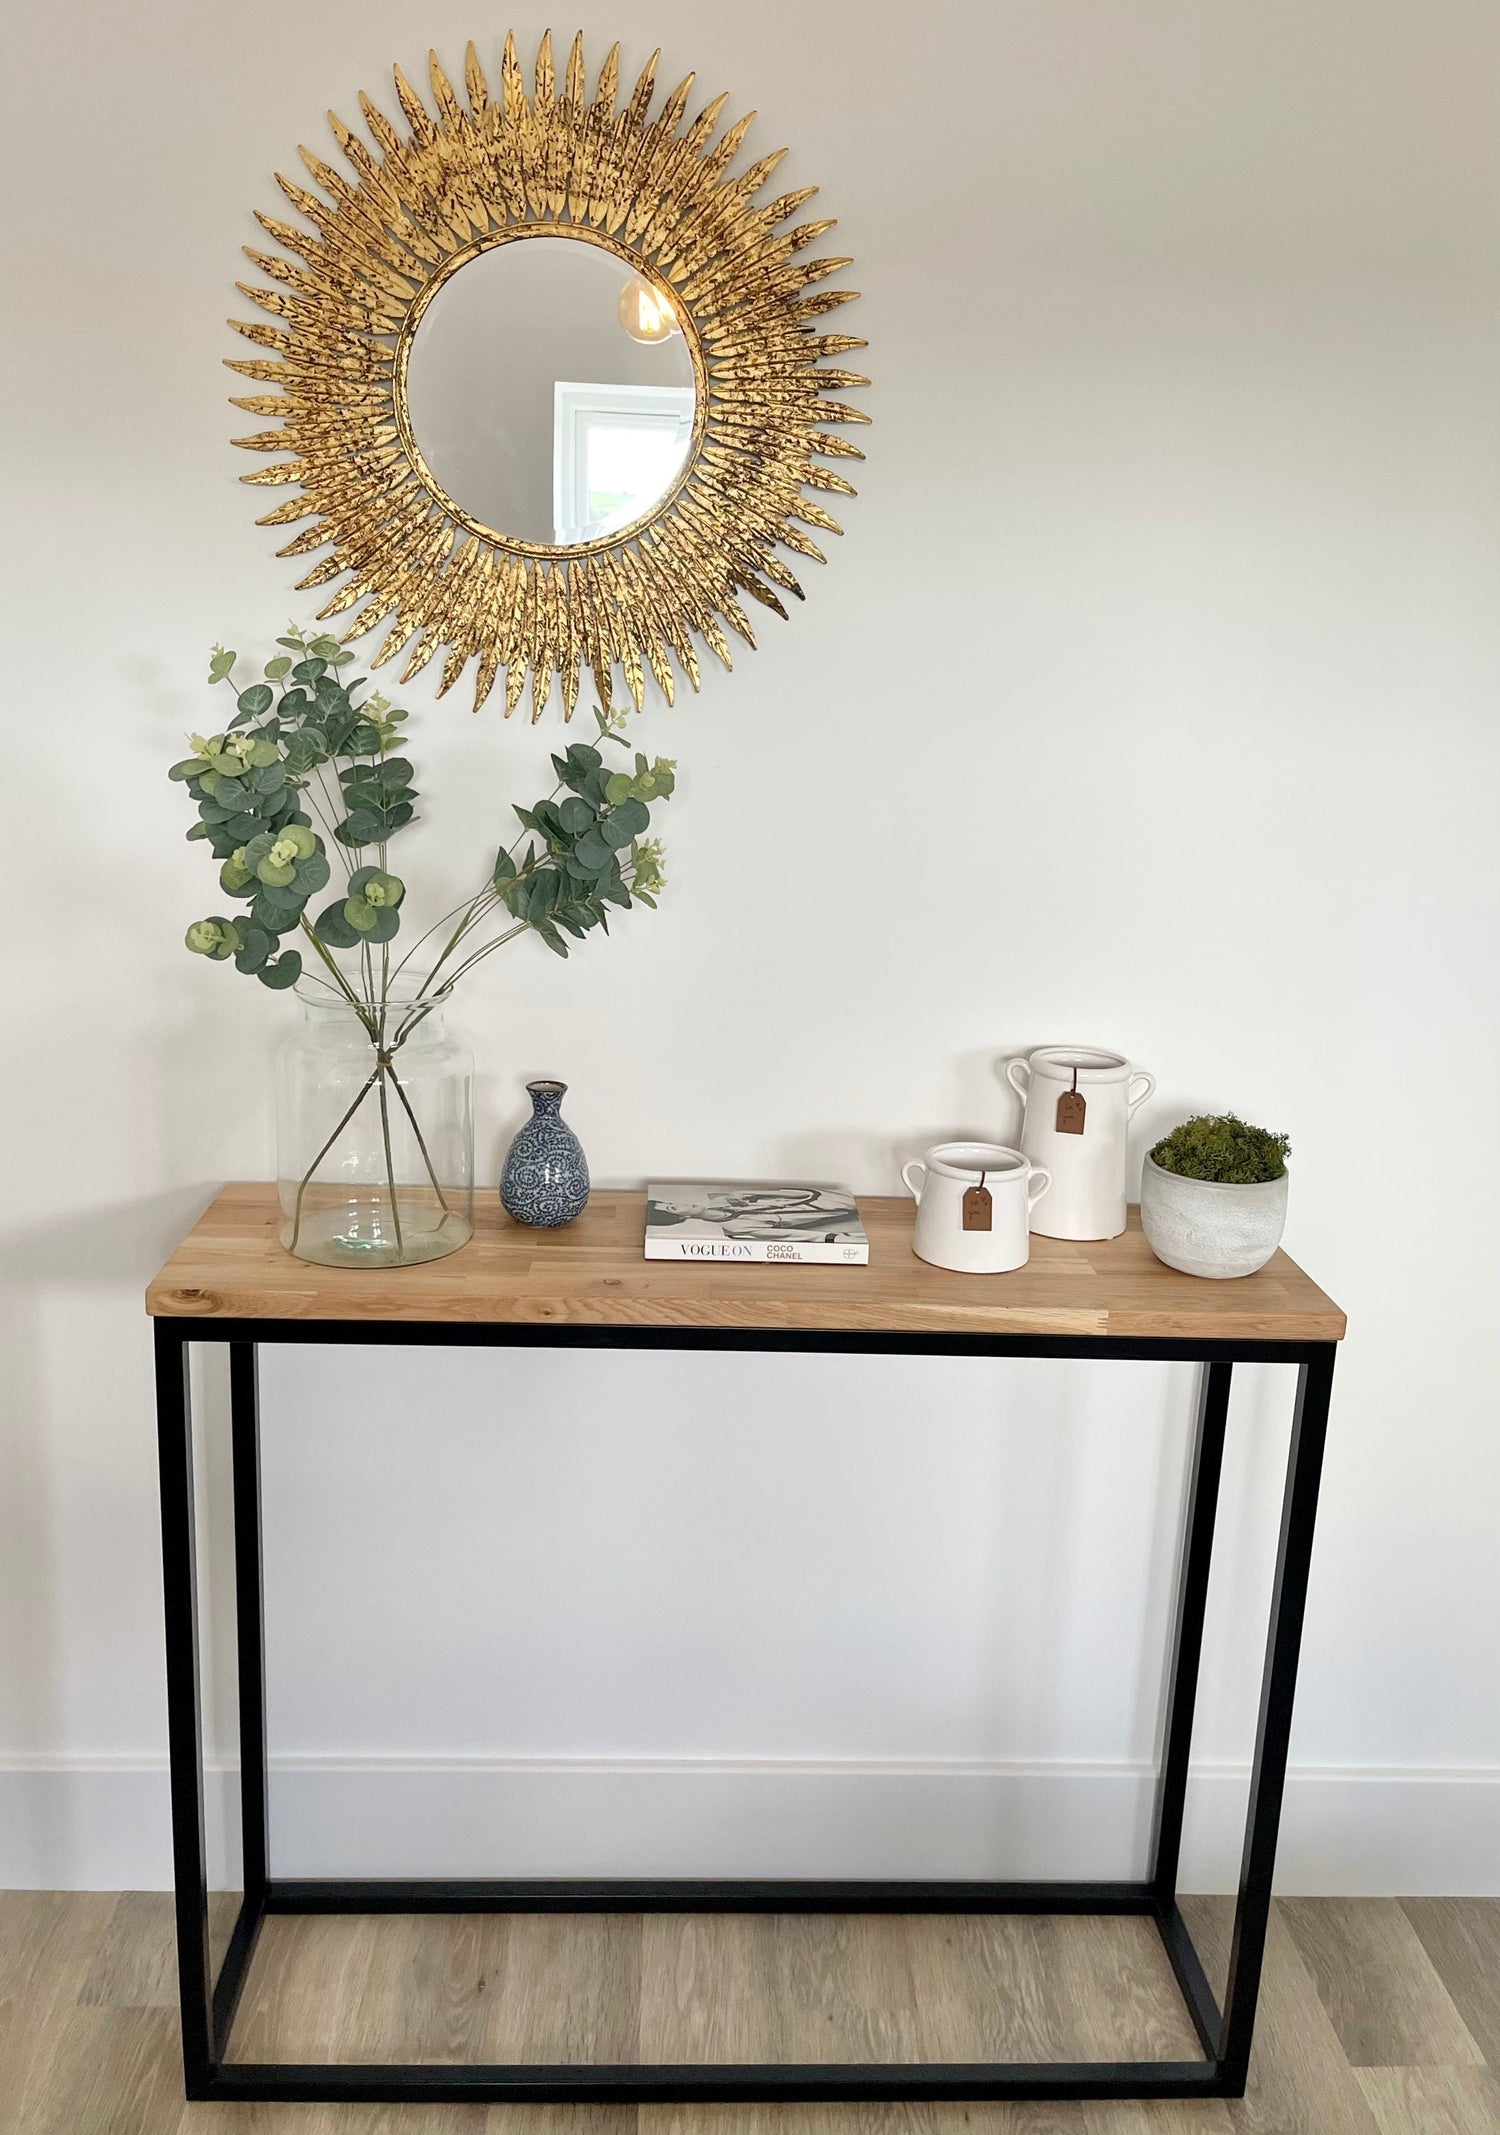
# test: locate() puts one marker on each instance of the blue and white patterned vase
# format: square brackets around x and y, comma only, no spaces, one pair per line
[546,1177]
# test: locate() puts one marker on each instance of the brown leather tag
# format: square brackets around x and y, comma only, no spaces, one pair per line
[1071,1107]
[977,1208]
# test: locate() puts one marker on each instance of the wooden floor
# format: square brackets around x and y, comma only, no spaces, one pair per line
[1377,2017]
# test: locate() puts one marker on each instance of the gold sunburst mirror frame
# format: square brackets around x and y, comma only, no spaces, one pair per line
[661,197]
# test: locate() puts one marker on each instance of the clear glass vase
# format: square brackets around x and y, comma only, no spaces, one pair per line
[374,1136]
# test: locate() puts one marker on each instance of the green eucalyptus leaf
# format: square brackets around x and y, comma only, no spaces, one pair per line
[278,667]
[625,823]
[255,700]
[189,767]
[284,972]
[276,918]
[360,828]
[332,927]
[593,851]
[254,948]
[550,936]
[304,750]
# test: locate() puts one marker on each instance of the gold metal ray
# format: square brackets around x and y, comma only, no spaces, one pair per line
[460,171]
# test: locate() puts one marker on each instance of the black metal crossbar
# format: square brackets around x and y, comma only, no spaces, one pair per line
[209,2002]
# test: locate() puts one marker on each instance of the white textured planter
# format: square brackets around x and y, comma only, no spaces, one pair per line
[1204,1228]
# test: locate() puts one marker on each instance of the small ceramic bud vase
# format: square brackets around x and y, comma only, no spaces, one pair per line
[546,1177]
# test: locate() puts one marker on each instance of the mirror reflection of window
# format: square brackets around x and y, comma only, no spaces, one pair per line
[616,450]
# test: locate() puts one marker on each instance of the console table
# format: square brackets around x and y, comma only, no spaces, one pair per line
[587,1286]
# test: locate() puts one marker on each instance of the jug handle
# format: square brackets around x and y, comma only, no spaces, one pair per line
[916,1164]
[1036,1186]
[1132,1102]
[1018,1075]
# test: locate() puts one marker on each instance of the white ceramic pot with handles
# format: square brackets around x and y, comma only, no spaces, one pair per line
[990,1235]
[1088,1164]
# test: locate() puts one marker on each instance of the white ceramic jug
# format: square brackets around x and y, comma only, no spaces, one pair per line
[1087,1165]
[994,1238]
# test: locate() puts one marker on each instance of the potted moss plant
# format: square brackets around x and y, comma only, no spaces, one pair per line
[1213,1196]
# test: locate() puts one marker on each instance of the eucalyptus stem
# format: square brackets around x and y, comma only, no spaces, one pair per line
[400,1089]
[381,1065]
[457,911]
[317,1160]
[479,954]
[345,988]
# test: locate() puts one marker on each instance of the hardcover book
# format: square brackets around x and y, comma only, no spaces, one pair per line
[730,1222]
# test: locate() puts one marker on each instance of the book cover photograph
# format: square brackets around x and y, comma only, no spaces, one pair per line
[815,1224]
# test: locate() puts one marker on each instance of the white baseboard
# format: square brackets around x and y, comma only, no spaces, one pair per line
[102,1824]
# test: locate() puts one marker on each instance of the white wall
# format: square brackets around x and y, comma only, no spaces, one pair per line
[1149,701]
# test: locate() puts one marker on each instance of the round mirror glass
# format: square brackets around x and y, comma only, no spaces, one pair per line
[550,391]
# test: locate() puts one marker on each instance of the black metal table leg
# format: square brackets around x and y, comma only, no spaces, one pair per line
[1182,1696]
[244,1409]
[244,1434]
[1274,1729]
[174,1433]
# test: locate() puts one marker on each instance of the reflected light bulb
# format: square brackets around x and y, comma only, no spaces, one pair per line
[645,313]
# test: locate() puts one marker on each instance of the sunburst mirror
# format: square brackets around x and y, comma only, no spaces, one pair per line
[571,454]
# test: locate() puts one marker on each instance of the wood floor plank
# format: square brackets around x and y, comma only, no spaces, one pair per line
[1300,2082]
[1119,1989]
[47,1942]
[480,1987]
[134,1965]
[1042,2118]
[105,2072]
[567,1988]
[778,1987]
[1462,1938]
[1379,1986]
[843,1987]
[308,1974]
[1432,2101]
[984,1992]
[702,1997]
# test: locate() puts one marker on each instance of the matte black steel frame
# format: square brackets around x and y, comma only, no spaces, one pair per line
[208,2004]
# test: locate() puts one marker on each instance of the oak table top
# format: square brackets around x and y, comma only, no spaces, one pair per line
[592,1273]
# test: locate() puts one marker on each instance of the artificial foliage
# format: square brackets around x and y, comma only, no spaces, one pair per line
[1223,1148]
[304,779]
[305,789]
